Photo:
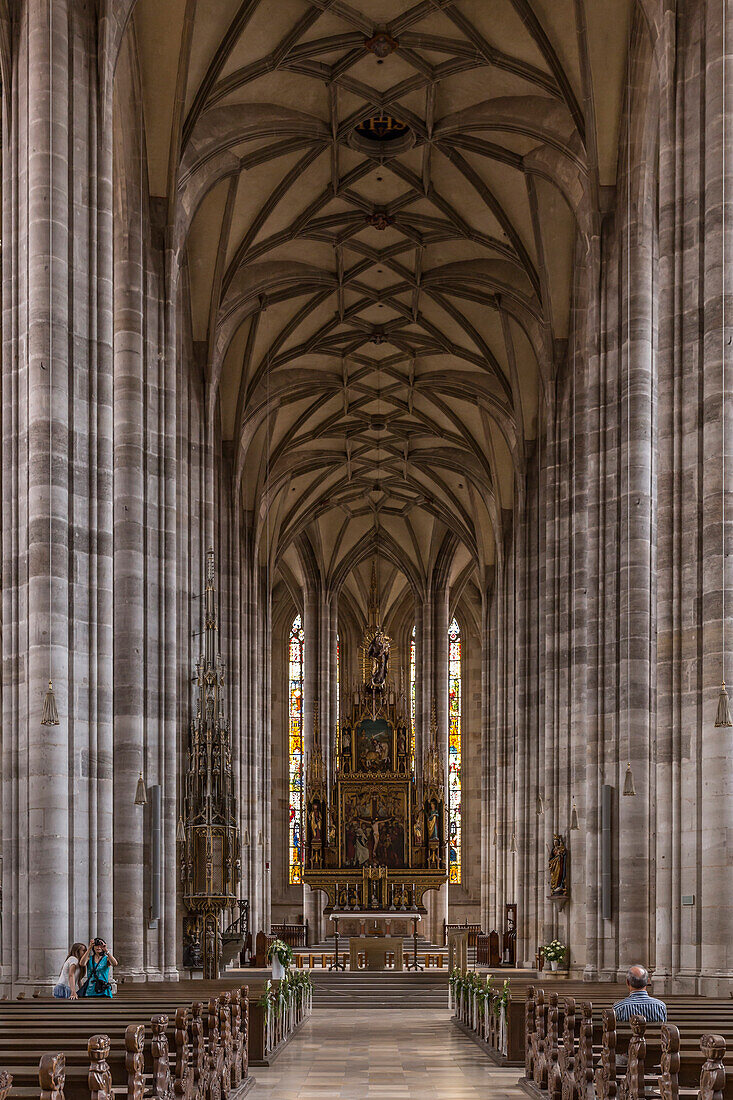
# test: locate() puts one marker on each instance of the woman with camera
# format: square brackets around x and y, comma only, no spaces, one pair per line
[97,960]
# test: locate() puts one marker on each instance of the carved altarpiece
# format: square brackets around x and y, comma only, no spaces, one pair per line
[376,841]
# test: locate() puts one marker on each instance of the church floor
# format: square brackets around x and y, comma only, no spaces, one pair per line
[387,1055]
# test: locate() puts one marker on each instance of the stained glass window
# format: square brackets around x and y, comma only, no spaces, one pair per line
[454,752]
[338,691]
[412,701]
[295,756]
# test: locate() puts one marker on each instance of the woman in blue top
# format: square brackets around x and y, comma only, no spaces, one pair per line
[98,961]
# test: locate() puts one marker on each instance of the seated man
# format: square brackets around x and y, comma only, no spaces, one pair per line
[638,1002]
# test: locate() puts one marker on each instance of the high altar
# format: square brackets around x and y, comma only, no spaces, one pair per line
[375,843]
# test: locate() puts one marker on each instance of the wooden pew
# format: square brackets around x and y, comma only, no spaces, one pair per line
[211,1058]
[581,1060]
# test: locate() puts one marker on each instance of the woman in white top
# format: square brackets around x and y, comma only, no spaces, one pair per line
[71,973]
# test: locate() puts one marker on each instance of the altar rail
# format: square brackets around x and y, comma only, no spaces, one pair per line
[92,1050]
[473,931]
[576,1051]
[295,935]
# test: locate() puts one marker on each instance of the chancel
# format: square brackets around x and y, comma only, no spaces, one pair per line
[386,841]
[367,485]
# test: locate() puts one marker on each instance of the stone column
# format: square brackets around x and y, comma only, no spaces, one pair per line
[130,571]
[716,414]
[57,606]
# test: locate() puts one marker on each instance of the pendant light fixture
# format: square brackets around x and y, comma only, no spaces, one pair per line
[513,845]
[141,796]
[540,807]
[574,817]
[180,832]
[723,716]
[50,713]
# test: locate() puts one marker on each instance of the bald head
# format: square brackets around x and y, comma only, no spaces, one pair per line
[637,977]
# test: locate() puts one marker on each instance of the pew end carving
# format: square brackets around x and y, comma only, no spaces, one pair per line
[712,1074]
[52,1076]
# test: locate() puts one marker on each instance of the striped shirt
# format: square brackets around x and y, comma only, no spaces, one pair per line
[639,1003]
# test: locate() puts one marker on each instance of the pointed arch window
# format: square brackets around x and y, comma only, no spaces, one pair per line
[454,751]
[296,648]
[412,701]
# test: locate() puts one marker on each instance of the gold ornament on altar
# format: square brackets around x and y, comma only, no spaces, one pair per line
[378,836]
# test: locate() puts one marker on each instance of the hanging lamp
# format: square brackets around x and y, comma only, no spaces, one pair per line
[513,845]
[141,796]
[245,839]
[723,718]
[180,832]
[574,817]
[540,804]
[629,788]
[50,713]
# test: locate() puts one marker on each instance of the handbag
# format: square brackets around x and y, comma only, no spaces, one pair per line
[102,987]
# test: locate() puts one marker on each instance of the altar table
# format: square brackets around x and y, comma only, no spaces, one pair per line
[375,950]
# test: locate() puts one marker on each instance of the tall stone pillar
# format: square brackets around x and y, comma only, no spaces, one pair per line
[57,491]
[130,520]
[716,416]
[431,659]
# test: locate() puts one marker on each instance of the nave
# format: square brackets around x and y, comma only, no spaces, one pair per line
[410,1054]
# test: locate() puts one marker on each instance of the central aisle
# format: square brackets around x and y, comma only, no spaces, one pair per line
[390,1055]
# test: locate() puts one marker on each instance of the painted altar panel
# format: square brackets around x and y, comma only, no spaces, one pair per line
[374,824]
[375,748]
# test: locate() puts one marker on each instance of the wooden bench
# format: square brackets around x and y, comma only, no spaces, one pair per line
[591,1056]
[209,1045]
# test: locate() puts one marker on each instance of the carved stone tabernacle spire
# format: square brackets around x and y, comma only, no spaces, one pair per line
[210,861]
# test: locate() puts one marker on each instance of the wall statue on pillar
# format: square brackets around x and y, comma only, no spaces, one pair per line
[558,868]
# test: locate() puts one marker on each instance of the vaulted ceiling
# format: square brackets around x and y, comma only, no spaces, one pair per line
[377,205]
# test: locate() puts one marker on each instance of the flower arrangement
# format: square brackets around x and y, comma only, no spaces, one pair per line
[553,951]
[296,983]
[488,998]
[281,951]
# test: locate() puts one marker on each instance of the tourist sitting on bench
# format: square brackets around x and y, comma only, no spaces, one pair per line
[638,1002]
[98,961]
[71,973]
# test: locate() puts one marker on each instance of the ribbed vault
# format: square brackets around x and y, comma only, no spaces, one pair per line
[380,318]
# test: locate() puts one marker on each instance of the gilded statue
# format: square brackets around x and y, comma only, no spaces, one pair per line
[379,653]
[558,865]
[433,822]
